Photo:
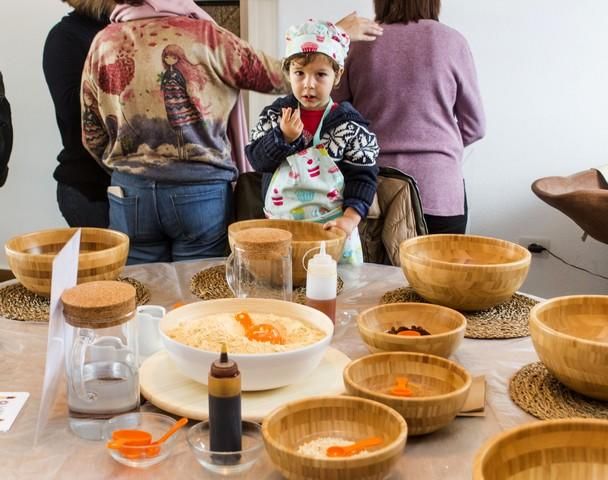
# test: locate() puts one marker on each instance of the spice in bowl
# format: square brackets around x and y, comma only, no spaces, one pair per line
[334,447]
[413,331]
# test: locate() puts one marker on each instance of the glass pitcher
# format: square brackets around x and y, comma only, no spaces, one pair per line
[100,354]
[260,264]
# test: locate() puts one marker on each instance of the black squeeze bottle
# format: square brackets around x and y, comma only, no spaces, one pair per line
[225,427]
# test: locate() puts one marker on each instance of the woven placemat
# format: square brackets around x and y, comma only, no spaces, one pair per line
[539,393]
[18,303]
[507,320]
[210,284]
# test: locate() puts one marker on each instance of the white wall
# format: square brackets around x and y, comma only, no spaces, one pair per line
[543,71]
[27,200]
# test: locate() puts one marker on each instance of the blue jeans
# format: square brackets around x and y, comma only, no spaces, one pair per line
[169,222]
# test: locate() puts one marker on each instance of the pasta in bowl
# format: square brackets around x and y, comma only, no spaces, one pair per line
[279,343]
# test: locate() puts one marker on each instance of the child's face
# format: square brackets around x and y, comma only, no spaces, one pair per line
[312,84]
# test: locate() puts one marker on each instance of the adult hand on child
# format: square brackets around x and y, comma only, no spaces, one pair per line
[347,222]
[291,124]
[359,28]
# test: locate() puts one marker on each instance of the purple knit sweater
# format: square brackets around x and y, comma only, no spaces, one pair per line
[417,86]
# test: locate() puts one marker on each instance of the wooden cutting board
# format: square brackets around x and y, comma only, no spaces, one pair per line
[165,387]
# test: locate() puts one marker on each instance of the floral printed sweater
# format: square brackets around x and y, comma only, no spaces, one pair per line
[157,93]
[344,134]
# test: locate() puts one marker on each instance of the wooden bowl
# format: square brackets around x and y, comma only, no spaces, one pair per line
[442,386]
[103,254]
[574,449]
[288,427]
[465,272]
[446,326]
[570,335]
[306,240]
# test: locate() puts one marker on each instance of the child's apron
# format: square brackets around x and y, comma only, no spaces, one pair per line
[308,186]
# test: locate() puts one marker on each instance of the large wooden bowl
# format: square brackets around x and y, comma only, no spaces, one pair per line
[306,240]
[103,254]
[570,335]
[465,272]
[349,418]
[445,385]
[571,449]
[446,326]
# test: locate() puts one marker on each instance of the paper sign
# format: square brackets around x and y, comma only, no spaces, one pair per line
[64,276]
[11,404]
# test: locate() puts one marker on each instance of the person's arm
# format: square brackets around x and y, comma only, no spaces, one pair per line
[468,108]
[359,28]
[268,147]
[358,166]
[93,144]
[6,133]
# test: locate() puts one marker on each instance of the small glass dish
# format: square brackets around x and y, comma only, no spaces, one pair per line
[227,463]
[156,424]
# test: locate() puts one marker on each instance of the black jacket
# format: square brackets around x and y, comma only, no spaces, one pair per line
[6,134]
[65,51]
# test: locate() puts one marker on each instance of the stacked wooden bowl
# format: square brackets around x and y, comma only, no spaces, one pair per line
[288,427]
[570,335]
[446,326]
[465,272]
[306,240]
[573,449]
[103,254]
[442,387]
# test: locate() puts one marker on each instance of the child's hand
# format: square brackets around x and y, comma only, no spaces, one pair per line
[291,124]
[347,222]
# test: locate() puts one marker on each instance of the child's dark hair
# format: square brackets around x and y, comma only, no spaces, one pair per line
[308,57]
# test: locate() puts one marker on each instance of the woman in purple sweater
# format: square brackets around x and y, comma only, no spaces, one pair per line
[417,86]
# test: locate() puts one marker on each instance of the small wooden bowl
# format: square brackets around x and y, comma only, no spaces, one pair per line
[306,240]
[446,326]
[445,385]
[465,272]
[552,449]
[350,418]
[103,254]
[570,335]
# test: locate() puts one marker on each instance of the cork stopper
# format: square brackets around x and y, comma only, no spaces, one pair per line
[264,240]
[100,304]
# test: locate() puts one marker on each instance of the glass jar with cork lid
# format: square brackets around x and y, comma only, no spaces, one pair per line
[100,354]
[260,264]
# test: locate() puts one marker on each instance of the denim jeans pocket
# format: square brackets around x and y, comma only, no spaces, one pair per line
[202,214]
[123,214]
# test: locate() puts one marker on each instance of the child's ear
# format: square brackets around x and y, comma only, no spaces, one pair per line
[338,76]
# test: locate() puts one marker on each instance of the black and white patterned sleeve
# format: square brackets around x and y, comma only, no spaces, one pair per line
[354,144]
[268,119]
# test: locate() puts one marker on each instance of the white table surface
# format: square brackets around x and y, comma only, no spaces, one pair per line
[447,454]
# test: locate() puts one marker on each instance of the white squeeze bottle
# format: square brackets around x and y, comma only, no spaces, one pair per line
[321,281]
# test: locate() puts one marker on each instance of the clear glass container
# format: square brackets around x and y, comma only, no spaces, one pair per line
[100,355]
[260,264]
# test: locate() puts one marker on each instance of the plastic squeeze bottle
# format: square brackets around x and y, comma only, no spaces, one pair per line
[225,428]
[321,281]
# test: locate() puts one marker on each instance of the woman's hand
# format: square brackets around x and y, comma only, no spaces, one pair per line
[347,222]
[360,28]
[291,124]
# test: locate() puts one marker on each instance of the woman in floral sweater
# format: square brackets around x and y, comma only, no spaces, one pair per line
[164,79]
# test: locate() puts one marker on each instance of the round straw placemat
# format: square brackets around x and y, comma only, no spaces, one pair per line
[210,284]
[507,320]
[18,303]
[539,393]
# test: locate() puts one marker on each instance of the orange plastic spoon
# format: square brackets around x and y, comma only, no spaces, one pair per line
[401,389]
[127,441]
[337,451]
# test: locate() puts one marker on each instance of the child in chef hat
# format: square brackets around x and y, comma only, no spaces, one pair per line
[318,156]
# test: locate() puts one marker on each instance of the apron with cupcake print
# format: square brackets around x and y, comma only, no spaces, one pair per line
[308,186]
